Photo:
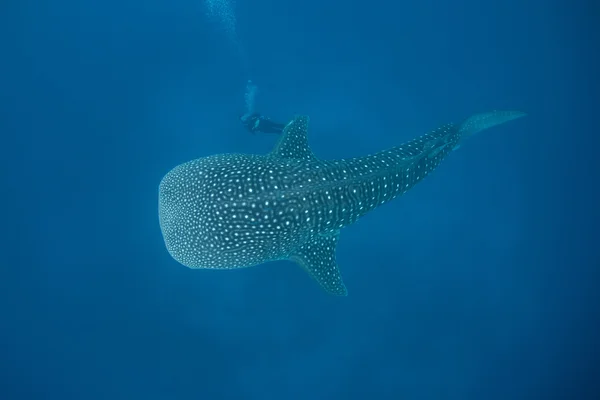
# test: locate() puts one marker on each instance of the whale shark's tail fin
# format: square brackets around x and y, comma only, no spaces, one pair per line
[479,122]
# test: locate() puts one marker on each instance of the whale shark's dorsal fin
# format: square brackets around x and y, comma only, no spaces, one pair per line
[294,141]
[317,256]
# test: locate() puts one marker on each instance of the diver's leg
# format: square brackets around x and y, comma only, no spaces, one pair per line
[267,126]
[278,128]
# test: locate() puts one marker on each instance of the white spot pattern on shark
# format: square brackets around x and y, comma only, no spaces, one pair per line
[237,210]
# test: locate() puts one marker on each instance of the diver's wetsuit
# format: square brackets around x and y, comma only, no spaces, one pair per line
[259,123]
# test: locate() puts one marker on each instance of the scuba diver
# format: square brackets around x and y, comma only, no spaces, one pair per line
[259,123]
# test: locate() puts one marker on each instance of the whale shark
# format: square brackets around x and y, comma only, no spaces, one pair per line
[230,211]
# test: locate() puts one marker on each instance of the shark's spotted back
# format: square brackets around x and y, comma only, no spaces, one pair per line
[237,210]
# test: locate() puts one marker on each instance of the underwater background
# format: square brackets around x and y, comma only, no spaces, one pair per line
[480,283]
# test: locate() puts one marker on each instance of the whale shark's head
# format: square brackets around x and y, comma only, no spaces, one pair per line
[209,213]
[183,209]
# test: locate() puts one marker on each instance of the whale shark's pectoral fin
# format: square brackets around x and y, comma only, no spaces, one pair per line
[317,256]
[294,140]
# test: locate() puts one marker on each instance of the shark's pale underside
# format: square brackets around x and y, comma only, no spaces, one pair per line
[238,210]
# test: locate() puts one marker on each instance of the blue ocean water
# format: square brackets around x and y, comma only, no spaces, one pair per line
[480,283]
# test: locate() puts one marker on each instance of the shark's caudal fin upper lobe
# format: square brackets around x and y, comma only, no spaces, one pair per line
[480,122]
